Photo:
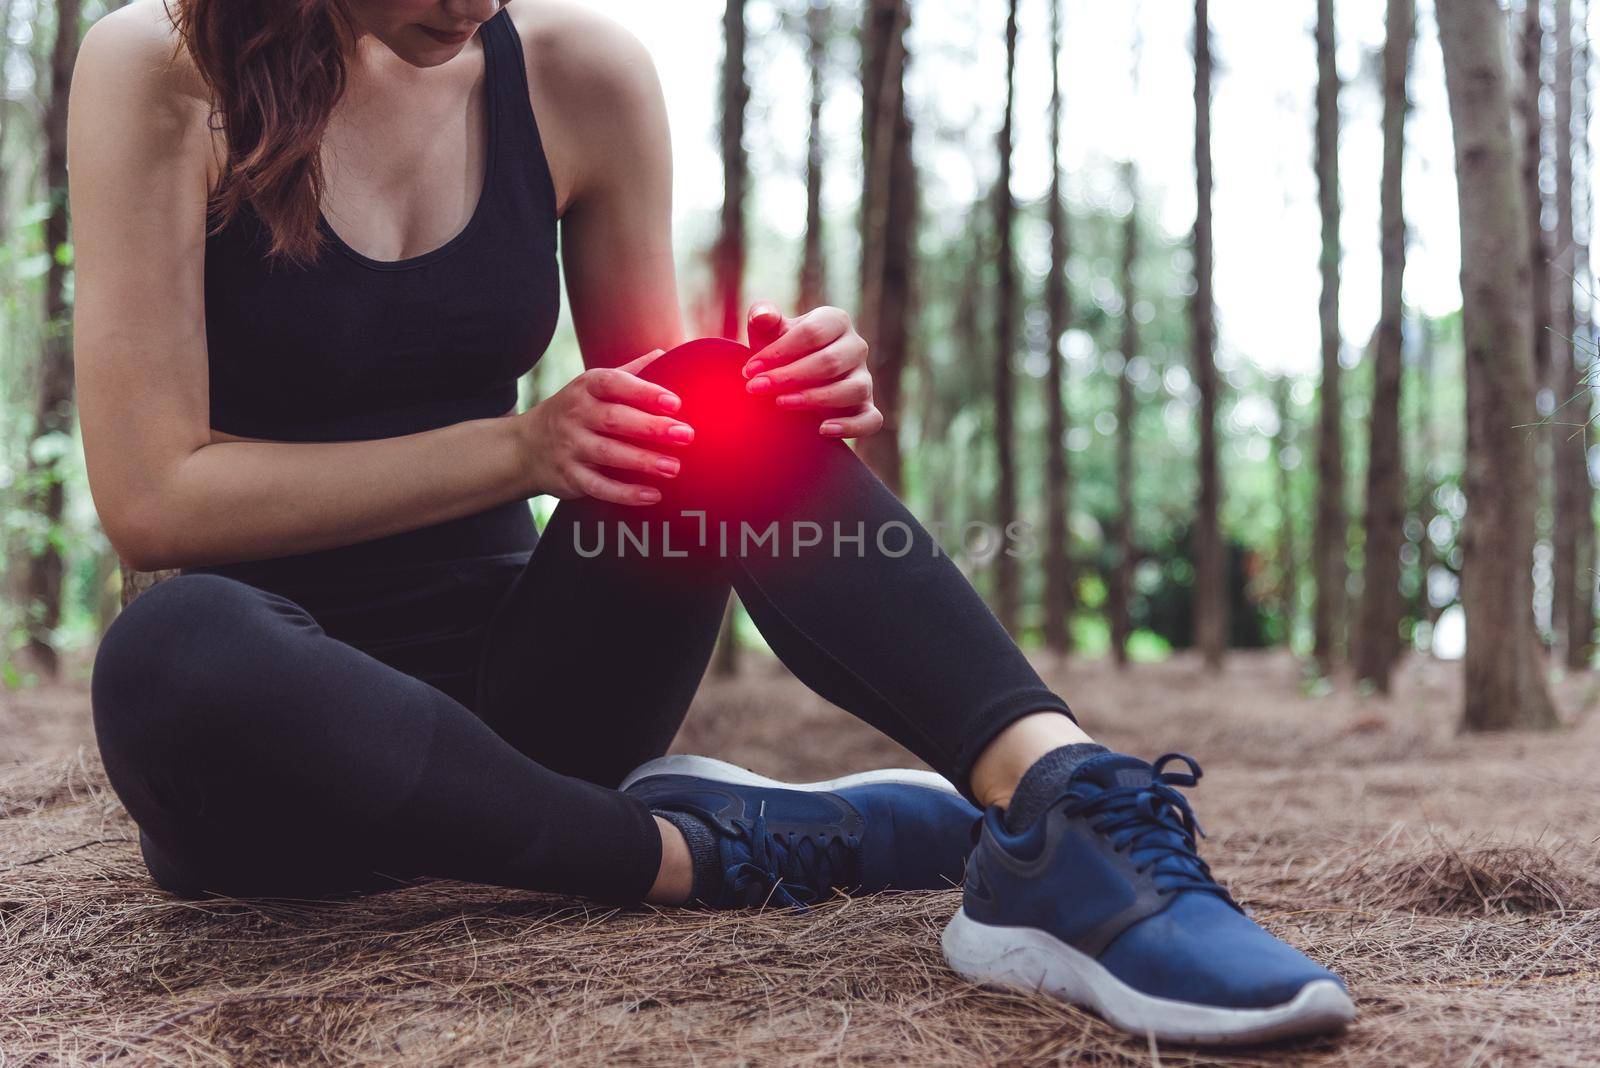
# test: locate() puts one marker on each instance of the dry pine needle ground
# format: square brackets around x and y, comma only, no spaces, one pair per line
[1454,881]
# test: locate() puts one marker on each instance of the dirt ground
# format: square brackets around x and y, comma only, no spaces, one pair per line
[1454,881]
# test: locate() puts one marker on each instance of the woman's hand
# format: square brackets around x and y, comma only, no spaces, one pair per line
[816,360]
[592,429]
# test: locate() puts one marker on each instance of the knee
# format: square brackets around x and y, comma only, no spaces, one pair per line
[166,653]
[742,440]
[705,363]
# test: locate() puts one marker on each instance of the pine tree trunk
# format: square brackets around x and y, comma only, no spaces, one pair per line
[1571,576]
[45,480]
[1331,529]
[1058,475]
[1505,685]
[5,115]
[888,225]
[1282,441]
[813,282]
[1532,56]
[1580,653]
[1377,642]
[1545,376]
[729,258]
[967,495]
[1427,482]
[1210,584]
[730,250]
[1121,592]
[1007,593]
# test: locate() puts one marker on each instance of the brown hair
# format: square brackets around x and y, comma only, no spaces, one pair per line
[275,69]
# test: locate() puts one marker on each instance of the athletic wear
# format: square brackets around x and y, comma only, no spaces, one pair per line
[462,699]
[353,347]
[420,709]
[1045,781]
[705,856]
[795,844]
[1104,901]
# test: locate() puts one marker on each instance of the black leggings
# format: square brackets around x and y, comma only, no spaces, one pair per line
[333,721]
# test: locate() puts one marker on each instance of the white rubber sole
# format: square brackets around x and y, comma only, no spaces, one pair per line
[711,768]
[1025,958]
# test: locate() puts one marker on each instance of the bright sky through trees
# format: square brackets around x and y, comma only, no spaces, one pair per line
[1265,200]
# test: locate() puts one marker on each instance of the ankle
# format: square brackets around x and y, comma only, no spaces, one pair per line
[675,878]
[1009,755]
[701,856]
[1046,781]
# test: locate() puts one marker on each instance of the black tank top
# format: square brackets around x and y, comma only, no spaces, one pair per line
[351,347]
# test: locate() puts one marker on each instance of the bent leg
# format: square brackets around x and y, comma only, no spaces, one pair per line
[619,621]
[260,756]
[589,665]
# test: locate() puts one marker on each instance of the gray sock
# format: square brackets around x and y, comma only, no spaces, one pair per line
[703,853]
[1046,781]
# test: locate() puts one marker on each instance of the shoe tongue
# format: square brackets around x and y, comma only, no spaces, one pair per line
[1112,770]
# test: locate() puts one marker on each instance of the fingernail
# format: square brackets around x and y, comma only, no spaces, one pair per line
[681,432]
[788,400]
[668,402]
[759,385]
[667,466]
[650,496]
[832,428]
[752,367]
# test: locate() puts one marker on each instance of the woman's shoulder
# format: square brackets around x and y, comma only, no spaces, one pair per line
[138,102]
[594,89]
[139,45]
[575,48]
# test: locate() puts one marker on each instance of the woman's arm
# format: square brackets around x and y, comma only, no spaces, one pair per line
[167,494]
[600,106]
[604,125]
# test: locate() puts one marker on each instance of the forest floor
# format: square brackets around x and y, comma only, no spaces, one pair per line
[1454,881]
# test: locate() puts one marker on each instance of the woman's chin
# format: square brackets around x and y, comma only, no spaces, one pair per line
[417,49]
[428,54]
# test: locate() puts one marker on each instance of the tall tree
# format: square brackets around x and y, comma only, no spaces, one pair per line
[888,224]
[1571,571]
[1007,593]
[1058,309]
[1377,641]
[1282,441]
[813,281]
[1532,56]
[1210,562]
[1505,685]
[728,260]
[1424,468]
[45,479]
[1121,593]
[1331,528]
[969,330]
[1581,621]
[5,109]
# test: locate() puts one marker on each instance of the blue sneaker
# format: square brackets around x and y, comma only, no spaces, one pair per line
[796,843]
[1104,902]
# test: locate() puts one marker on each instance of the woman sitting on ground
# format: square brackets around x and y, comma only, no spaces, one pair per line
[314,255]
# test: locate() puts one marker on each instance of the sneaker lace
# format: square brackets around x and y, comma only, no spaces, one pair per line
[786,867]
[1154,825]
